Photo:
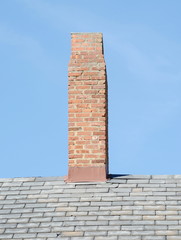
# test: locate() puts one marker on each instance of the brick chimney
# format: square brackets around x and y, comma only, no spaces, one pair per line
[88,110]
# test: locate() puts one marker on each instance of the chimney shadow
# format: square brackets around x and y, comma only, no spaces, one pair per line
[112,176]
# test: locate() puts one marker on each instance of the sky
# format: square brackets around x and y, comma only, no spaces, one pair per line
[142,45]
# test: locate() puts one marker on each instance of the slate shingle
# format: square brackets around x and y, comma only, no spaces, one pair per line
[125,207]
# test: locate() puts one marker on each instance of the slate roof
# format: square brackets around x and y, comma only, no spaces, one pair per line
[125,207]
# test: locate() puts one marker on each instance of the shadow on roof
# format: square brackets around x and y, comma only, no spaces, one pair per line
[112,176]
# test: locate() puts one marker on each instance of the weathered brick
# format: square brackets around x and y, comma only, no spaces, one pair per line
[93,135]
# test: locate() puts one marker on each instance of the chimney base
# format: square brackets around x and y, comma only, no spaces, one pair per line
[87,174]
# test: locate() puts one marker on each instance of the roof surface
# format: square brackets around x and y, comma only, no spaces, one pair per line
[125,207]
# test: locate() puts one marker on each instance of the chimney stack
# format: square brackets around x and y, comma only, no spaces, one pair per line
[88,110]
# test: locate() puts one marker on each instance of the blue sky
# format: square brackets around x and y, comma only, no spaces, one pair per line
[142,42]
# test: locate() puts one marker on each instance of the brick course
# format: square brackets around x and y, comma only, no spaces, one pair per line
[87,101]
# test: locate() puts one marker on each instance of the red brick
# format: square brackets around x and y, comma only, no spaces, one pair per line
[87,101]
